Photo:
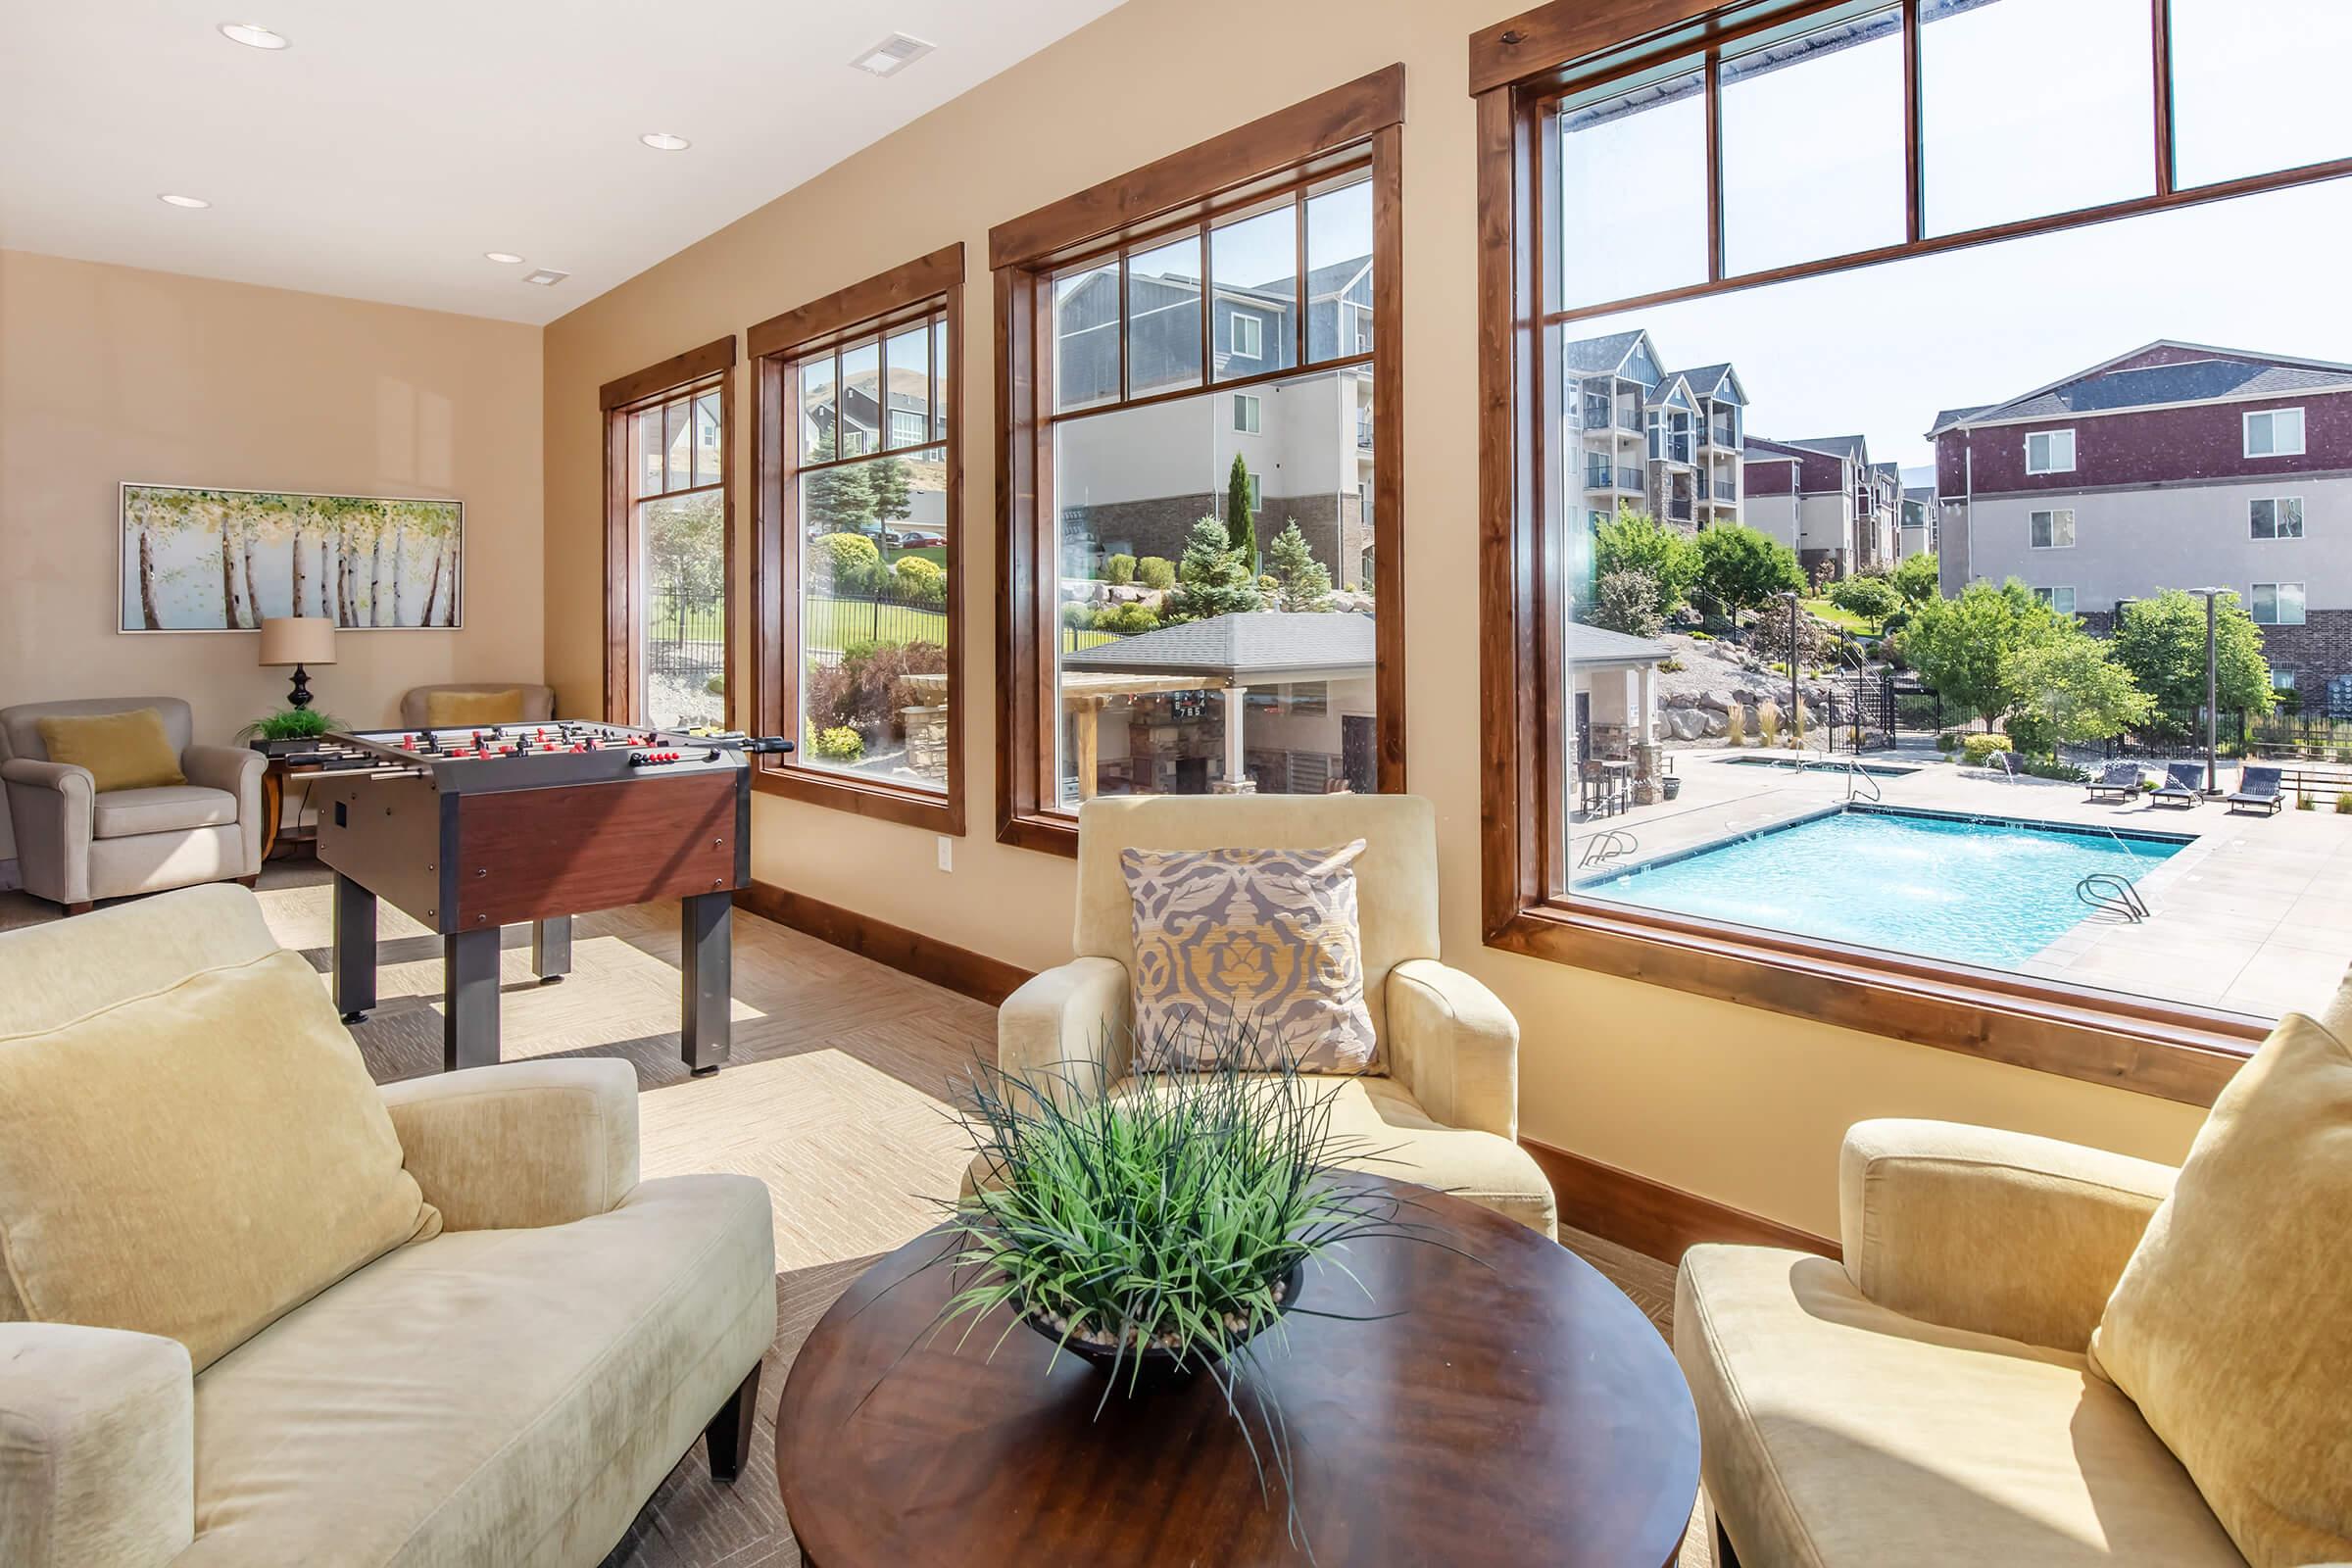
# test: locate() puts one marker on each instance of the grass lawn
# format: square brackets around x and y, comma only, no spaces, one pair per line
[937,555]
[1823,609]
[837,624]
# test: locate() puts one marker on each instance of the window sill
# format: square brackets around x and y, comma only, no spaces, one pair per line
[1049,835]
[2168,1050]
[868,798]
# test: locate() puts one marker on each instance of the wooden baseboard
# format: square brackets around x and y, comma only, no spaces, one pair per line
[942,964]
[1652,1217]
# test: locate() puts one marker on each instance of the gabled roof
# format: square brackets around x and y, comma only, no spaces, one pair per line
[1603,356]
[1945,419]
[1711,380]
[2208,374]
[1849,447]
[1671,392]
[1591,644]
[1777,450]
[1259,645]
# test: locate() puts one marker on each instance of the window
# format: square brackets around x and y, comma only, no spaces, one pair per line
[858,638]
[2283,57]
[1283,467]
[669,542]
[2050,452]
[2277,517]
[2054,530]
[1804,169]
[2277,433]
[2284,680]
[2278,604]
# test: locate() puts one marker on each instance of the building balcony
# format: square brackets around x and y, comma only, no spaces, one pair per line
[1679,508]
[1628,419]
[1724,490]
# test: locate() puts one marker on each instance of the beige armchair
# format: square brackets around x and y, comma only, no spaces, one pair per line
[76,845]
[1928,1401]
[1444,1110]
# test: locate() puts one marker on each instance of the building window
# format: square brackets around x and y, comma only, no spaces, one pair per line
[2278,604]
[669,542]
[2062,600]
[2050,452]
[2275,433]
[2054,530]
[2277,517]
[858,638]
[2284,680]
[1182,695]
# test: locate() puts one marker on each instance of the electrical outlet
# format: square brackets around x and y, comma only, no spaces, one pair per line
[947,853]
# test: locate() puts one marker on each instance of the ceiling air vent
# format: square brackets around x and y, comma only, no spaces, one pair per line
[894,52]
[545,277]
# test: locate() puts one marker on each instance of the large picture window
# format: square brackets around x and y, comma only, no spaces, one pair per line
[1746,736]
[1200,497]
[669,541]
[860,545]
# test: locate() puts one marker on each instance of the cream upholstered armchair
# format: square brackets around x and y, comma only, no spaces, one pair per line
[1442,1103]
[77,844]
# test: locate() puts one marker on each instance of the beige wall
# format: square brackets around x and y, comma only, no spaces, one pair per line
[1740,1106]
[110,374]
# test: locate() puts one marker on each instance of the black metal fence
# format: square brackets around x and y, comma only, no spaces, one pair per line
[831,621]
[2282,733]
[685,633]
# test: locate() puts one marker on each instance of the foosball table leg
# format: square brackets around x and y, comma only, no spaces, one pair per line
[355,949]
[551,947]
[706,978]
[469,999]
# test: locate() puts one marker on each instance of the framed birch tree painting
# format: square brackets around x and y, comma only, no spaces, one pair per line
[221,559]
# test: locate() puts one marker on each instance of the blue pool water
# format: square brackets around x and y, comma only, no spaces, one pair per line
[1984,892]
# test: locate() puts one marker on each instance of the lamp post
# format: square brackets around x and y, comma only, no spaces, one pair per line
[1796,704]
[2212,689]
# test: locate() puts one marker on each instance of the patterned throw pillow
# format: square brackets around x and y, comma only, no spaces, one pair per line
[1267,938]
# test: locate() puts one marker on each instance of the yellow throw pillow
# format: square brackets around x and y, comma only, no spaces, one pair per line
[127,750]
[197,1161]
[1263,939]
[2229,1327]
[447,710]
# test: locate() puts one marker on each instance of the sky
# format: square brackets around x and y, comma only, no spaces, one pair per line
[2030,106]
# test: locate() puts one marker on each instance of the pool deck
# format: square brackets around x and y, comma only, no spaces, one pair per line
[2254,915]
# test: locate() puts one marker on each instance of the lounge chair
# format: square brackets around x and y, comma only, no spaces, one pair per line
[2182,784]
[2258,787]
[2117,778]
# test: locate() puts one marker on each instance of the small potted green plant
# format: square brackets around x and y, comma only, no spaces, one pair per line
[290,724]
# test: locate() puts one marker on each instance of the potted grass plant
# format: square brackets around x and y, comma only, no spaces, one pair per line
[290,724]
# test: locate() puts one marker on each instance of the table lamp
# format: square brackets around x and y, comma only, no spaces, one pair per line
[298,640]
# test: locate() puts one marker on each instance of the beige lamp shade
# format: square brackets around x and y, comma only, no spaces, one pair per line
[298,640]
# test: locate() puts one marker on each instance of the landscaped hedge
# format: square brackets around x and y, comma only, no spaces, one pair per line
[863,692]
[1979,749]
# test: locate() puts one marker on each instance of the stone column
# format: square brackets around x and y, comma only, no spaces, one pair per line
[1235,696]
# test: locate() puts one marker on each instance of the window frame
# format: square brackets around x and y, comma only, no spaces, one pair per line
[916,291]
[2277,505]
[1357,125]
[1235,320]
[2052,437]
[2302,602]
[617,401]
[1255,425]
[2033,521]
[1518,66]
[2049,596]
[2246,433]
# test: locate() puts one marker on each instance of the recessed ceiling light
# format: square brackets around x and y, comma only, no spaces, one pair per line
[253,37]
[892,53]
[169,200]
[661,141]
[545,277]
[503,258]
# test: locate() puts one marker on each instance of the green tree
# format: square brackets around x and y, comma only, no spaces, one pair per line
[1627,601]
[1872,598]
[850,560]
[1636,541]
[1212,579]
[2069,687]
[894,499]
[1916,580]
[1743,568]
[2161,641]
[1241,526]
[840,500]
[1962,647]
[1300,581]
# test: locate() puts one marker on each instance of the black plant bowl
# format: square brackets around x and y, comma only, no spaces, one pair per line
[1157,1362]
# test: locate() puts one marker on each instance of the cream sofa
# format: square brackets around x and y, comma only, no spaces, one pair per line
[1446,1114]
[1928,1401]
[510,1392]
[76,845]
[538,702]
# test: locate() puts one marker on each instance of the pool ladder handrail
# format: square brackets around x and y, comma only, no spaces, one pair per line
[1610,844]
[1856,777]
[2104,890]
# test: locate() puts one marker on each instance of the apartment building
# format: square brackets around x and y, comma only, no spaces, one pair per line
[2173,466]
[1826,500]
[1666,441]
[1918,530]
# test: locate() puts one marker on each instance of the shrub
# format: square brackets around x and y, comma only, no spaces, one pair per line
[1627,601]
[1979,747]
[1670,666]
[2034,733]
[715,686]
[1735,726]
[1155,571]
[1947,739]
[2343,802]
[1127,620]
[919,580]
[1268,582]
[839,744]
[1702,636]
[849,558]
[2303,802]
[1768,722]
[1118,571]
[1079,615]
[862,691]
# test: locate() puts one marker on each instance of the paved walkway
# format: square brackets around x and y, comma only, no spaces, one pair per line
[2254,915]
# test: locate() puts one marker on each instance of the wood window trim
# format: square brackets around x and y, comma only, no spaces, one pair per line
[1281,151]
[617,399]
[913,291]
[2165,1050]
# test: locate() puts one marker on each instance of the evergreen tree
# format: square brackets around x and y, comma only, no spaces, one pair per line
[893,502]
[839,500]
[1241,525]
[1302,582]
[1212,579]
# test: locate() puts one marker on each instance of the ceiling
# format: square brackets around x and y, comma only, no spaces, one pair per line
[395,142]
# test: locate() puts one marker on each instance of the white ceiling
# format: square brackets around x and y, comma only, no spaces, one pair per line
[397,140]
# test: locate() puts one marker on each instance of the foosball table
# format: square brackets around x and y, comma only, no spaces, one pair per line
[470,831]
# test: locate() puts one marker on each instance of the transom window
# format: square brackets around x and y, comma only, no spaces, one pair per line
[2275,433]
[2276,517]
[2050,452]
[2278,604]
[2054,530]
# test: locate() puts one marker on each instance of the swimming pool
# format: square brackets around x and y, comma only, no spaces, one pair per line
[1989,890]
[1875,770]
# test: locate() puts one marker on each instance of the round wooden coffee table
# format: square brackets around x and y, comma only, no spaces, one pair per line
[1518,1410]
